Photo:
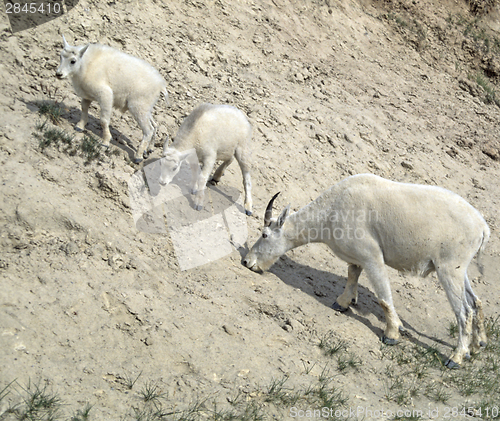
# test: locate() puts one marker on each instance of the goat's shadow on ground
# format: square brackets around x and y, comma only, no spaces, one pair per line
[73,114]
[326,286]
[218,197]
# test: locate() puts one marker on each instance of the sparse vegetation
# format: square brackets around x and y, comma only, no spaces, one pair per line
[51,110]
[38,403]
[41,404]
[333,346]
[453,329]
[417,372]
[489,91]
[151,392]
[130,381]
[82,414]
[49,135]
[91,147]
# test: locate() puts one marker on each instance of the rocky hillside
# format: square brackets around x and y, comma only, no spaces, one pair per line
[97,311]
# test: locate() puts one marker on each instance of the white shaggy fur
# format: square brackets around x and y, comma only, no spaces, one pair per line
[113,79]
[370,222]
[215,133]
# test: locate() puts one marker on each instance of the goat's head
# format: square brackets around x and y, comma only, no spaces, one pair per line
[170,165]
[71,59]
[273,242]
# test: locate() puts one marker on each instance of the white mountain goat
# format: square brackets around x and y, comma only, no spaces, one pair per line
[370,222]
[114,79]
[215,133]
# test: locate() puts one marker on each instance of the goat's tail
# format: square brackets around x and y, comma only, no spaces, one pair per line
[484,241]
[164,92]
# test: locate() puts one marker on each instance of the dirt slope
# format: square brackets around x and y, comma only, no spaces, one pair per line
[332,89]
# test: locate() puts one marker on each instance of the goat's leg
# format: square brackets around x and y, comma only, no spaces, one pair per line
[148,127]
[479,339]
[350,294]
[243,158]
[106,104]
[377,274]
[219,172]
[195,172]
[150,145]
[453,281]
[80,126]
[208,165]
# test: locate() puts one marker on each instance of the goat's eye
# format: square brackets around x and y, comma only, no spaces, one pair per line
[264,235]
[73,61]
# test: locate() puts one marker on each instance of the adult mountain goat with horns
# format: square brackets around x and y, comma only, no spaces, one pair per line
[114,79]
[370,222]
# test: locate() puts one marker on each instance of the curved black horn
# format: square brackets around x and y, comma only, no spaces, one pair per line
[269,211]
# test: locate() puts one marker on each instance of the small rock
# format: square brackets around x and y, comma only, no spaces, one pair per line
[295,324]
[493,153]
[407,164]
[243,372]
[229,330]
[147,341]
[116,261]
[477,184]
[43,279]
[71,248]
[132,263]
[452,152]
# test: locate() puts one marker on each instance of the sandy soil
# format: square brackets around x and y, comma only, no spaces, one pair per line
[331,89]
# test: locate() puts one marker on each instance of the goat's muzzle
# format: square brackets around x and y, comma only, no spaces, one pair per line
[251,264]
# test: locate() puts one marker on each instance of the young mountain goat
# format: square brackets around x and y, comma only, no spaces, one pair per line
[114,79]
[370,222]
[214,133]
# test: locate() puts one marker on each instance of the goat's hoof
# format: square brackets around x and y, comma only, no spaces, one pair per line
[467,356]
[78,129]
[146,154]
[482,344]
[193,191]
[198,207]
[248,213]
[137,160]
[337,307]
[452,364]
[213,182]
[389,341]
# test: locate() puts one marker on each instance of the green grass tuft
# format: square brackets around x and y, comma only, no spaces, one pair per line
[91,147]
[151,392]
[82,414]
[51,110]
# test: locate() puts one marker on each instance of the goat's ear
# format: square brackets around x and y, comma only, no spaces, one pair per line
[283,215]
[82,51]
[186,154]
[166,144]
